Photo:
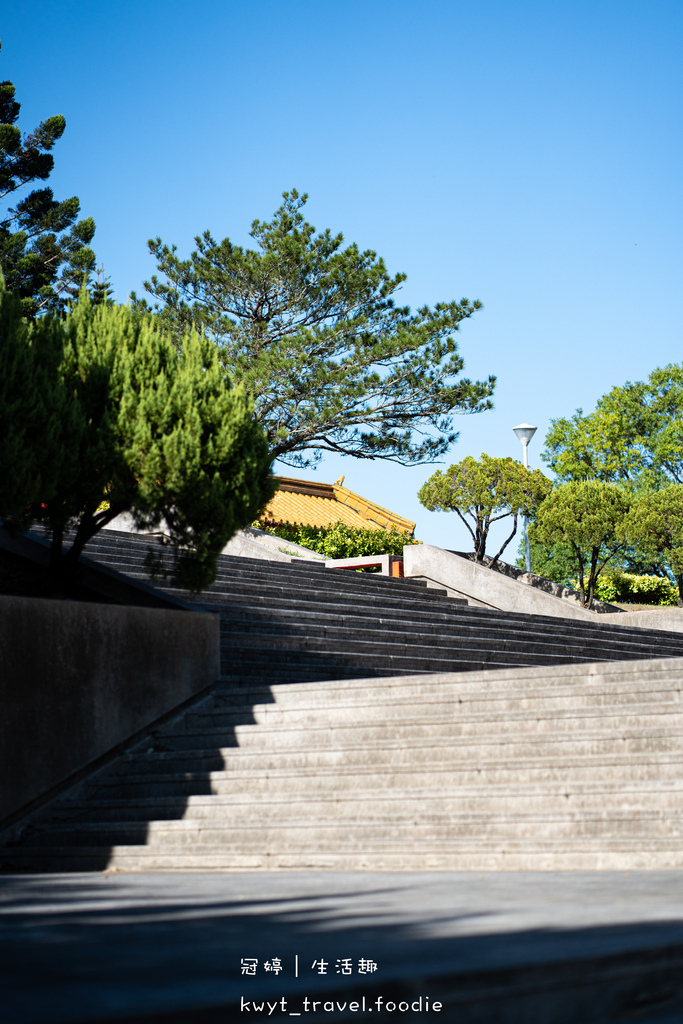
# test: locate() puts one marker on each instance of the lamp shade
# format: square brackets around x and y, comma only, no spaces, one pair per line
[524,432]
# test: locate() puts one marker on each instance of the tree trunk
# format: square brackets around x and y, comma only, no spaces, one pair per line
[514,531]
[64,567]
[582,593]
[480,543]
[55,565]
[592,577]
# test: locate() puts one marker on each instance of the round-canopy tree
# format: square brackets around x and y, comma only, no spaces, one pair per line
[634,434]
[104,408]
[655,526]
[481,493]
[588,515]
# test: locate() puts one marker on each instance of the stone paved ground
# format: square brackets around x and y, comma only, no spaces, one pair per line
[541,948]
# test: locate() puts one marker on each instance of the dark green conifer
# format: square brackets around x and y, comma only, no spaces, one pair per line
[45,254]
[126,423]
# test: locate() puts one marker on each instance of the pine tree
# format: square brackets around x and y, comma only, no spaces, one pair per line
[101,290]
[37,412]
[313,332]
[45,254]
[126,423]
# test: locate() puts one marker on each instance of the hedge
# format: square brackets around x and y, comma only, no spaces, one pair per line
[339,540]
[627,588]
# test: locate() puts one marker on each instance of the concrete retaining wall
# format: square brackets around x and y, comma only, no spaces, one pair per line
[253,543]
[485,588]
[246,543]
[78,679]
[654,618]
[541,583]
[97,579]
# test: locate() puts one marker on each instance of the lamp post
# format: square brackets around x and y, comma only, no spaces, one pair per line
[525,432]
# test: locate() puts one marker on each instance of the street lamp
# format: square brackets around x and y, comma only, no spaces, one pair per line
[525,432]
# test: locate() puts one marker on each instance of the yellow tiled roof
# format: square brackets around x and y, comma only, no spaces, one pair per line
[318,504]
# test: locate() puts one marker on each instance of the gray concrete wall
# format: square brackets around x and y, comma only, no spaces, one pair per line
[93,576]
[78,679]
[541,583]
[246,543]
[654,618]
[253,543]
[485,588]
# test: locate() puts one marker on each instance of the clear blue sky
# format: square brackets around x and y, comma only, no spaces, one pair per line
[525,154]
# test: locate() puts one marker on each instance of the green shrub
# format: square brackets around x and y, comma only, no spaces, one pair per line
[339,540]
[627,588]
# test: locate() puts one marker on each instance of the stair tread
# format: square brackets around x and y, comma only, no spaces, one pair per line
[339,737]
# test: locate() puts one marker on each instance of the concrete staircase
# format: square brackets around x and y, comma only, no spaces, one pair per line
[578,768]
[568,756]
[302,622]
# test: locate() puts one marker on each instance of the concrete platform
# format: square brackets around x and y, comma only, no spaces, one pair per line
[530,948]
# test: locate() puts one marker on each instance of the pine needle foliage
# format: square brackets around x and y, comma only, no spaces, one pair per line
[126,422]
[313,332]
[45,253]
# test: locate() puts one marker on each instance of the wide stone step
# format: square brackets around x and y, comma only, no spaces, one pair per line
[260,593]
[237,707]
[442,618]
[105,544]
[487,644]
[444,609]
[442,612]
[568,756]
[472,761]
[271,736]
[134,549]
[196,772]
[319,630]
[261,575]
[256,614]
[425,803]
[527,680]
[481,855]
[238,658]
[340,650]
[395,660]
[247,675]
[479,636]
[283,597]
[332,599]
[460,723]
[279,833]
[447,645]
[368,586]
